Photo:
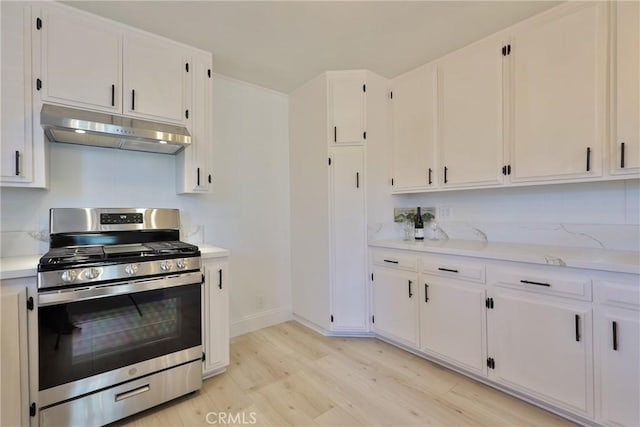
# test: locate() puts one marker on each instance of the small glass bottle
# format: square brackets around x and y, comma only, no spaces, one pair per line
[419,226]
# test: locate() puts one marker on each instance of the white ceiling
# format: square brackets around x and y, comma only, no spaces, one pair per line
[282,44]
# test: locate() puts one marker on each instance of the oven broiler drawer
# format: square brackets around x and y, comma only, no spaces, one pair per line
[126,399]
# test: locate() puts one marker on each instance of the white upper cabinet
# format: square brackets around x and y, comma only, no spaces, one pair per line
[194,167]
[558,86]
[16,142]
[154,73]
[81,60]
[413,103]
[347,107]
[625,147]
[91,63]
[470,136]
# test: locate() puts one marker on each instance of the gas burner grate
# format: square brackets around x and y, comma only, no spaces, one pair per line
[73,254]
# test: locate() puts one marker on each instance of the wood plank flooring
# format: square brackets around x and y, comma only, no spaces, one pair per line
[289,375]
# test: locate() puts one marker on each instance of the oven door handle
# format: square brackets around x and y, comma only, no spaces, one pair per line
[102,291]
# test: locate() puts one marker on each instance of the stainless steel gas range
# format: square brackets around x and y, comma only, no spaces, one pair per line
[119,315]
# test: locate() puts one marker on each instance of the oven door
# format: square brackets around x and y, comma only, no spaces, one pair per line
[92,338]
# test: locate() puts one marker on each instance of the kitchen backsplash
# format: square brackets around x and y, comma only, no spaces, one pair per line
[36,242]
[624,237]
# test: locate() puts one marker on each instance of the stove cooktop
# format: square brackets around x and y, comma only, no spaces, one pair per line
[78,255]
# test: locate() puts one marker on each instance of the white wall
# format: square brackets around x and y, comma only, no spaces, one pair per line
[248,211]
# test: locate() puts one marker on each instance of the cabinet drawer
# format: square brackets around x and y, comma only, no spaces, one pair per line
[540,280]
[453,267]
[619,291]
[397,260]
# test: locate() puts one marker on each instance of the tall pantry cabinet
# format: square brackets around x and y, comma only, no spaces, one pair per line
[329,133]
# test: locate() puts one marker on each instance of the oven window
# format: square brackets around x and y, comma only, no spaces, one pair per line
[85,338]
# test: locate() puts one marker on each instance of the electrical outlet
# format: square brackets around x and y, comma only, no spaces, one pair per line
[444,212]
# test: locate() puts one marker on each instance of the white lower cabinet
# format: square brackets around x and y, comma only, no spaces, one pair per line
[348,258]
[395,305]
[617,356]
[453,322]
[14,363]
[542,347]
[538,331]
[215,319]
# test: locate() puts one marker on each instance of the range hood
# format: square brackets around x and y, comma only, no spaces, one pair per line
[73,126]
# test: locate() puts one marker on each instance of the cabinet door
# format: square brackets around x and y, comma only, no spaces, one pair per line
[413,101]
[470,136]
[346,105]
[619,335]
[626,158]
[215,316]
[193,167]
[348,239]
[16,132]
[395,305]
[154,74]
[542,347]
[14,396]
[558,87]
[81,60]
[453,322]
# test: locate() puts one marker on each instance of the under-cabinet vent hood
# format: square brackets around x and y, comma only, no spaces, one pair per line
[73,126]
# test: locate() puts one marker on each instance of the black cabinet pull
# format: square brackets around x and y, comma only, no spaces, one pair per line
[622,155]
[445,174]
[335,134]
[209,178]
[426,293]
[219,278]
[577,327]
[113,95]
[186,114]
[450,270]
[430,171]
[391,261]
[17,163]
[529,282]
[588,159]
[614,326]
[133,99]
[357,179]
[198,177]
[410,293]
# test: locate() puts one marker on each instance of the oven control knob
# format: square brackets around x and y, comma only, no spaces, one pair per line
[91,273]
[131,269]
[180,264]
[165,266]
[69,276]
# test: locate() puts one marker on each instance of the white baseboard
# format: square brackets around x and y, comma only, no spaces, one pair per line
[259,320]
[327,333]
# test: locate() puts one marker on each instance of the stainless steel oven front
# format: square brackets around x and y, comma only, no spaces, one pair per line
[111,350]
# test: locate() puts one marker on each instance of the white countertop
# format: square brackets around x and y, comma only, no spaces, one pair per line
[594,259]
[27,266]
[209,251]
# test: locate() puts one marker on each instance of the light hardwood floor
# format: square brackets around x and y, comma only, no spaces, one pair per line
[290,375]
